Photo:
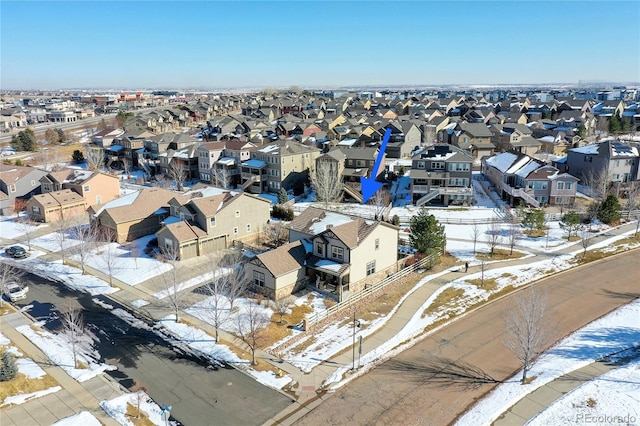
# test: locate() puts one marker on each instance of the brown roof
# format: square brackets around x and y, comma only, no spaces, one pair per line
[215,145]
[59,198]
[284,259]
[209,206]
[183,231]
[11,174]
[147,201]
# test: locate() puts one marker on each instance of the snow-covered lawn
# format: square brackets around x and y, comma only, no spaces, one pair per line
[12,229]
[59,351]
[27,367]
[610,334]
[83,418]
[117,408]
[54,241]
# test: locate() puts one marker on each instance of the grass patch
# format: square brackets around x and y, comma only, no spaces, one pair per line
[445,298]
[534,233]
[505,290]
[301,347]
[528,380]
[500,254]
[138,419]
[21,384]
[6,309]
[489,284]
[277,331]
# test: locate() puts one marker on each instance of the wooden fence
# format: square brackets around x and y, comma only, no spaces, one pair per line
[315,318]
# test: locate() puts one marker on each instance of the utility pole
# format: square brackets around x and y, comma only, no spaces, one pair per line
[356,323]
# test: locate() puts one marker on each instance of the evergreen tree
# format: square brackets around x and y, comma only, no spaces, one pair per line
[283,197]
[25,140]
[571,223]
[581,131]
[61,135]
[533,218]
[609,210]
[427,235]
[614,124]
[77,156]
[8,367]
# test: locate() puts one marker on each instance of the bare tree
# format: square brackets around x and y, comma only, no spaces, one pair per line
[218,311]
[494,236]
[171,278]
[221,177]
[88,235]
[73,327]
[238,281]
[109,255]
[632,194]
[140,395]
[94,157]
[28,227]
[513,236]
[327,181]
[475,235]
[275,233]
[585,239]
[127,165]
[178,173]
[8,273]
[252,325]
[528,328]
[598,182]
[282,306]
[380,200]
[62,226]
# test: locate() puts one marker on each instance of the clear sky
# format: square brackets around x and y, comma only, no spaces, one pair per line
[216,44]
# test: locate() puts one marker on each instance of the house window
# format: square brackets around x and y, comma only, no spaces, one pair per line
[421,164]
[319,249]
[248,227]
[168,244]
[212,221]
[377,243]
[35,210]
[337,253]
[235,231]
[33,183]
[560,185]
[98,199]
[47,187]
[258,279]
[12,188]
[237,213]
[437,165]
[371,267]
[567,185]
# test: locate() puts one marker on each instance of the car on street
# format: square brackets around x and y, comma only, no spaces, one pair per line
[16,252]
[15,291]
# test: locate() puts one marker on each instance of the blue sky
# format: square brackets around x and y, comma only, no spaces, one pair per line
[151,44]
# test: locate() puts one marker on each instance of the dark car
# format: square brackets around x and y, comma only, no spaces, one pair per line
[16,252]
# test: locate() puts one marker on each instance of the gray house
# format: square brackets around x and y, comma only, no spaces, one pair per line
[619,160]
[17,182]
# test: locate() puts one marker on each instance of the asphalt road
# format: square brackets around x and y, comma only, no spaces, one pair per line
[198,393]
[434,382]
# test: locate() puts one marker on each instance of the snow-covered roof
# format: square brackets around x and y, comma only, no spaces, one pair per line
[518,165]
[125,200]
[331,218]
[502,161]
[347,142]
[328,265]
[528,168]
[226,161]
[269,148]
[254,163]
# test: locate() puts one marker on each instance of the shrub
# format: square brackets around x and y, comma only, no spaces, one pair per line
[283,213]
[395,220]
[8,367]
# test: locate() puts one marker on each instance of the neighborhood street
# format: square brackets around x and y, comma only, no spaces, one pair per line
[434,382]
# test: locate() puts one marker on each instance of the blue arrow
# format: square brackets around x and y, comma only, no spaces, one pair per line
[369,185]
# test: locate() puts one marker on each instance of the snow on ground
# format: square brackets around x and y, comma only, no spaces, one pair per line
[83,418]
[614,398]
[202,343]
[58,350]
[12,229]
[610,334]
[22,398]
[193,282]
[54,241]
[130,264]
[117,408]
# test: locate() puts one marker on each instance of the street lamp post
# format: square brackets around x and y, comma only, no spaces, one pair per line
[356,323]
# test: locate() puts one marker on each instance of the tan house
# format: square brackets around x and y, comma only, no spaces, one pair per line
[56,205]
[342,254]
[95,187]
[133,215]
[203,225]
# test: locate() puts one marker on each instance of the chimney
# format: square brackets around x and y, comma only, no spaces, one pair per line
[329,225]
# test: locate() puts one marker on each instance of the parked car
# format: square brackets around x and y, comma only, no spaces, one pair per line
[15,291]
[16,252]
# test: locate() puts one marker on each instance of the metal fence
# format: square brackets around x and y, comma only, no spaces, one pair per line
[315,318]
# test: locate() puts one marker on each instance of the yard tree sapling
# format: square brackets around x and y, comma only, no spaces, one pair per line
[585,240]
[571,222]
[252,325]
[475,235]
[217,310]
[494,237]
[171,279]
[73,327]
[8,366]
[427,235]
[178,173]
[282,307]
[609,210]
[328,181]
[528,328]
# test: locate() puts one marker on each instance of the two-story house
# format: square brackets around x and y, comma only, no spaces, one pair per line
[327,250]
[57,205]
[518,177]
[208,153]
[441,174]
[18,183]
[618,160]
[105,138]
[282,164]
[474,138]
[211,223]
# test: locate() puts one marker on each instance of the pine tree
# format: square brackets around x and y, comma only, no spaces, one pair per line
[77,156]
[427,235]
[614,124]
[8,367]
[282,196]
[609,211]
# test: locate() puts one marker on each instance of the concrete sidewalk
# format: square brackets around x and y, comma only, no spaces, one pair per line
[73,398]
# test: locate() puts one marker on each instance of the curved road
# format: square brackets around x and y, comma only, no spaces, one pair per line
[434,382]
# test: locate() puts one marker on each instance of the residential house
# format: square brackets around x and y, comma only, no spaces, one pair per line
[441,174]
[56,205]
[206,224]
[514,137]
[183,160]
[330,251]
[18,183]
[105,138]
[133,215]
[618,160]
[520,178]
[208,153]
[474,138]
[282,164]
[401,144]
